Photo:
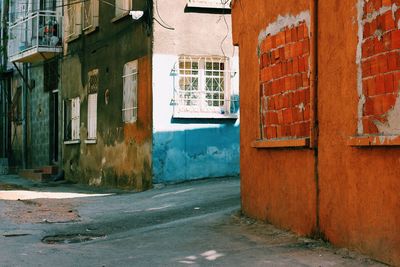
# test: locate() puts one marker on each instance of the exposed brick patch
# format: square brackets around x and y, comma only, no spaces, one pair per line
[285,83]
[380,63]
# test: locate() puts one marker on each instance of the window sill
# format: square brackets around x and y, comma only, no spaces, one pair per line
[120,17]
[72,142]
[205,116]
[208,5]
[300,142]
[91,141]
[72,38]
[374,141]
[90,30]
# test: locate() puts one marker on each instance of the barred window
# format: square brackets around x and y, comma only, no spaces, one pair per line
[203,86]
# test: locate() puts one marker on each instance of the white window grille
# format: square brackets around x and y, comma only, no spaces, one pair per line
[90,10]
[203,86]
[130,82]
[209,3]
[72,119]
[92,116]
[73,19]
[122,7]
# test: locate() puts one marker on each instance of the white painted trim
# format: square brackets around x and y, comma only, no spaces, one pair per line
[204,116]
[72,142]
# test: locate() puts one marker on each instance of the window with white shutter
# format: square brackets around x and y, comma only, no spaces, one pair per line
[92,116]
[75,118]
[130,82]
[72,119]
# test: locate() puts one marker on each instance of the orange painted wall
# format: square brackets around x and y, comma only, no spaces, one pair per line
[359,187]
[358,203]
[277,184]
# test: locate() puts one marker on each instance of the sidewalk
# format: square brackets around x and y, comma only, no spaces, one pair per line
[190,224]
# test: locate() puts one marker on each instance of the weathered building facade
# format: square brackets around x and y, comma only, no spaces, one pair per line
[319,137]
[31,111]
[149,96]
[106,77]
[195,92]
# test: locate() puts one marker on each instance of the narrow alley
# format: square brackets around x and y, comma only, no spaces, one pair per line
[190,224]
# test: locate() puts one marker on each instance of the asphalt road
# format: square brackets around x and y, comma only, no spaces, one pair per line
[191,224]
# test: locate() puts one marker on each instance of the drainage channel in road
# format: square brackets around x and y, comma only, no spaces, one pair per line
[71,238]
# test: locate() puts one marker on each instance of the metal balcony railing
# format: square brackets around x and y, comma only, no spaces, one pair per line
[36,35]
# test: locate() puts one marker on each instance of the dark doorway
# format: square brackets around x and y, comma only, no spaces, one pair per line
[54,133]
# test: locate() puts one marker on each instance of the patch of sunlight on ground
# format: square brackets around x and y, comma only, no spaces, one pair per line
[27,195]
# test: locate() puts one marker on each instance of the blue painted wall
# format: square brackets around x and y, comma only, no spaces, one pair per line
[188,149]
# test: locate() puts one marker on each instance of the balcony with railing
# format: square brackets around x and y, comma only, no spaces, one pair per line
[35,37]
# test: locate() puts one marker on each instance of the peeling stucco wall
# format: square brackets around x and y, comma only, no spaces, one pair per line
[121,154]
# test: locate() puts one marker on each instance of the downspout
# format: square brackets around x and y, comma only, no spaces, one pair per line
[314,110]
[24,116]
[4,84]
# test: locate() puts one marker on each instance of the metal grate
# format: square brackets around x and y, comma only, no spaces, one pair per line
[202,85]
[93,81]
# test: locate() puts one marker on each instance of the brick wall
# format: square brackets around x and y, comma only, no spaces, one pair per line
[380,64]
[285,83]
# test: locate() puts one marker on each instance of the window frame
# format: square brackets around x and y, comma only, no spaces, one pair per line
[130,94]
[202,109]
[92,116]
[74,7]
[208,4]
[94,15]
[72,120]
[122,8]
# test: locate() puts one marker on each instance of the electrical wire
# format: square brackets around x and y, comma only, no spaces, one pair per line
[166,25]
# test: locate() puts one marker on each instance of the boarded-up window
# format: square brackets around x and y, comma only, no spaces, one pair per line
[92,116]
[122,7]
[72,119]
[130,81]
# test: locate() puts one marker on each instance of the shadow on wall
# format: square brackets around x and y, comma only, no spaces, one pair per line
[201,152]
